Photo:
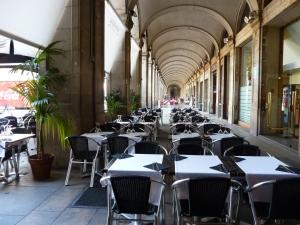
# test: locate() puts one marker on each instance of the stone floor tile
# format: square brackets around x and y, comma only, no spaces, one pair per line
[9,220]
[22,200]
[78,216]
[39,218]
[99,217]
[60,199]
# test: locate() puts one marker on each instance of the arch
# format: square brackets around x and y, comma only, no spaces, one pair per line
[187,40]
[181,49]
[187,27]
[253,5]
[219,18]
[176,82]
[178,62]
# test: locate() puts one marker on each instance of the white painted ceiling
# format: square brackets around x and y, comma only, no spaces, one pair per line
[182,34]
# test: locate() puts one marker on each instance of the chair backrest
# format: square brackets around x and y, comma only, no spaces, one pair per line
[193,140]
[4,121]
[30,123]
[147,148]
[112,126]
[180,127]
[286,199]
[138,127]
[175,118]
[210,128]
[230,142]
[20,130]
[243,150]
[117,144]
[80,148]
[127,118]
[190,149]
[149,118]
[207,196]
[13,121]
[131,193]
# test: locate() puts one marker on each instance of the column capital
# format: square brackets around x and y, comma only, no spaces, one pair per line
[129,22]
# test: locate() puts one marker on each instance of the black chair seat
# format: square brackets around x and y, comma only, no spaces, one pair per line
[151,209]
[262,209]
[185,210]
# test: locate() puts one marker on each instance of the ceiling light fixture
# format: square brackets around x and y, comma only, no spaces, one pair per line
[227,39]
[251,17]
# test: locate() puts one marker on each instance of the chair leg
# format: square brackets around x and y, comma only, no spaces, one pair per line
[84,167]
[93,173]
[68,172]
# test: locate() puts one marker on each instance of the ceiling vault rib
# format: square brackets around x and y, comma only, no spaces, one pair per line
[187,40]
[180,49]
[177,62]
[187,27]
[178,57]
[219,18]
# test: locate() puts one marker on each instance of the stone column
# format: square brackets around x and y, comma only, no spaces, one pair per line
[129,25]
[256,40]
[148,66]
[150,72]
[140,71]
[144,78]
[91,63]
[218,81]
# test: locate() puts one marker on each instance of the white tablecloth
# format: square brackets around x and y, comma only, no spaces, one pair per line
[196,166]
[95,136]
[134,166]
[14,139]
[262,168]
[176,137]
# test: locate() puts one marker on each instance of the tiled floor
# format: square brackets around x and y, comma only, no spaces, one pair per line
[28,202]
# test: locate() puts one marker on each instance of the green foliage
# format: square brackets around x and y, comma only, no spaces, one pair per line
[37,94]
[114,103]
[134,101]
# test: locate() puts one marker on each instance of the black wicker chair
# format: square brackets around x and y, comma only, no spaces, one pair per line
[229,142]
[243,150]
[285,202]
[116,145]
[210,128]
[127,118]
[3,123]
[82,154]
[149,118]
[194,140]
[13,121]
[111,126]
[206,198]
[190,149]
[131,196]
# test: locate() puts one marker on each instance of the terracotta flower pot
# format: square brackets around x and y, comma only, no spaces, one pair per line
[41,168]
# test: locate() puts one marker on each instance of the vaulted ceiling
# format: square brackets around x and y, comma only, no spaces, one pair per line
[184,34]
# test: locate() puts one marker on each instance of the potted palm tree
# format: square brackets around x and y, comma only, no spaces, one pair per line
[38,95]
[114,103]
[134,101]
